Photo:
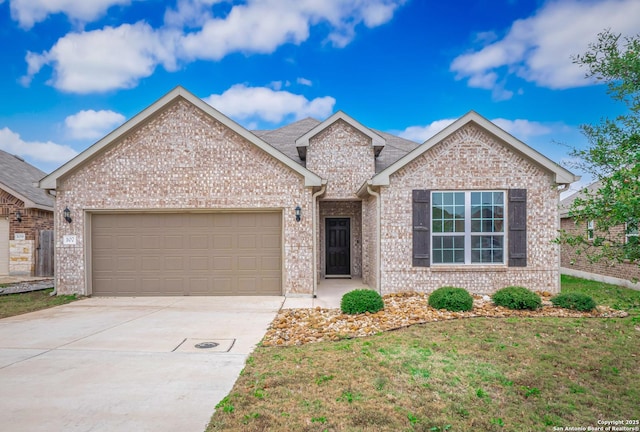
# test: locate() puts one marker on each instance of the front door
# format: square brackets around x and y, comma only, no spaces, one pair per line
[338,246]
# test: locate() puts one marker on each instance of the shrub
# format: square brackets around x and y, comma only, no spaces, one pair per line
[451,298]
[361,301]
[517,298]
[576,301]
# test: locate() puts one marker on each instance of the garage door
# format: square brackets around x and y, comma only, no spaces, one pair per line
[154,254]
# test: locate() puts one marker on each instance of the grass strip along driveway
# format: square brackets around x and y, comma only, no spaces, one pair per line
[515,374]
[17,304]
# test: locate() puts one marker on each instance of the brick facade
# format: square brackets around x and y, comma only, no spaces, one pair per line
[470,159]
[183,159]
[628,273]
[22,251]
[370,242]
[344,156]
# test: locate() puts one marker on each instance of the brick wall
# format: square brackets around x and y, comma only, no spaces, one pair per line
[572,261]
[183,159]
[22,251]
[470,159]
[343,155]
[369,242]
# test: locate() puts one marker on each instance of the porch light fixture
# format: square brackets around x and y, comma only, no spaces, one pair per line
[19,216]
[298,213]
[67,214]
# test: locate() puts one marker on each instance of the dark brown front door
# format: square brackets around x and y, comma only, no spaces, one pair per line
[338,246]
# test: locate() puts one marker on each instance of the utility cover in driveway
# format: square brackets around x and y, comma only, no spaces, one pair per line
[159,254]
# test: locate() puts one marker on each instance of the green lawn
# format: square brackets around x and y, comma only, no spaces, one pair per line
[16,304]
[513,374]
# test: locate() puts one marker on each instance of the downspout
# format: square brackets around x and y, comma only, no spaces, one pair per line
[379,232]
[315,235]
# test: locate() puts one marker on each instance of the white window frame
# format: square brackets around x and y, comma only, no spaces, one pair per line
[467,229]
[590,229]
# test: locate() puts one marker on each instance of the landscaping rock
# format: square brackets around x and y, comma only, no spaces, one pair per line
[301,326]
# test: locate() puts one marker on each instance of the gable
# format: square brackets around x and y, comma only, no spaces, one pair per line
[303,142]
[179,152]
[179,93]
[469,155]
[513,146]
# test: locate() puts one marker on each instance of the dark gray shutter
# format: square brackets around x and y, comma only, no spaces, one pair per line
[517,227]
[421,228]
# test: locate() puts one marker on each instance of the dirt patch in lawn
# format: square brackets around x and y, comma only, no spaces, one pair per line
[302,326]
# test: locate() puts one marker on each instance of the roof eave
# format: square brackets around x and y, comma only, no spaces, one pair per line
[28,203]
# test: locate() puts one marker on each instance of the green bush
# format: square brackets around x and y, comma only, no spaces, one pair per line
[451,298]
[573,300]
[515,297]
[361,301]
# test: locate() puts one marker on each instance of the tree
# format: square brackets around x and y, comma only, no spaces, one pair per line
[613,154]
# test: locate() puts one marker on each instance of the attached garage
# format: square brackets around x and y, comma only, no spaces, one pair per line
[175,254]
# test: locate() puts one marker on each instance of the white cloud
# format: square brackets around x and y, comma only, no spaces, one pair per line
[538,49]
[102,60]
[29,12]
[86,62]
[90,124]
[273,106]
[304,82]
[521,129]
[45,152]
[422,133]
[189,13]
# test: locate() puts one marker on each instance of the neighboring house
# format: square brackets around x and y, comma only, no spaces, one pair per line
[181,200]
[625,273]
[26,221]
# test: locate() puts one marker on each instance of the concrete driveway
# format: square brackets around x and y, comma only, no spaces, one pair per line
[126,364]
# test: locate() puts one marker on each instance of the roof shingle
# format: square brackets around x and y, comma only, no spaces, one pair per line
[18,177]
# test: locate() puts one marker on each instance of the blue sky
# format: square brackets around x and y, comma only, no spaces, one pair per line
[73,70]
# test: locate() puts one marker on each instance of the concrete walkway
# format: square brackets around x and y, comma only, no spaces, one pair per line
[126,364]
[328,295]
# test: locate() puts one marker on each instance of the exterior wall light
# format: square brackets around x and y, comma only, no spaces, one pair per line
[19,216]
[298,213]
[67,214]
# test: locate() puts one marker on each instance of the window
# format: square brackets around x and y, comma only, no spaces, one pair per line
[590,230]
[468,227]
[631,232]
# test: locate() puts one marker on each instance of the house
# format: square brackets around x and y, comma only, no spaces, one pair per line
[181,200]
[625,274]
[26,221]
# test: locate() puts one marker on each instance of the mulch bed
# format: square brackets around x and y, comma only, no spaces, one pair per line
[302,326]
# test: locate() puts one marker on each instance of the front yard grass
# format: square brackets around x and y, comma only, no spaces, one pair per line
[515,374]
[16,304]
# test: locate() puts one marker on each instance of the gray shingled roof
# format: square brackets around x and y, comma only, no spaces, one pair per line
[18,177]
[566,203]
[284,139]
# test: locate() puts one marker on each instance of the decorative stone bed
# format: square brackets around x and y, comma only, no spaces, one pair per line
[301,326]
